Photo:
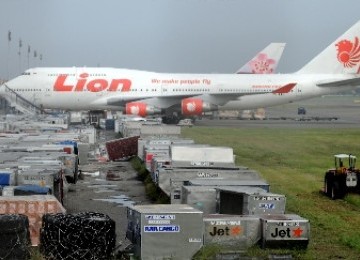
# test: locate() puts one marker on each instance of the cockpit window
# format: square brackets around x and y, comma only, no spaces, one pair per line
[25,73]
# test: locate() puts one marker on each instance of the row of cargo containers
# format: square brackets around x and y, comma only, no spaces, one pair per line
[51,178]
[67,162]
[67,142]
[205,178]
[179,231]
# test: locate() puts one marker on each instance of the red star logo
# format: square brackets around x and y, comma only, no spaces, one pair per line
[297,232]
[235,231]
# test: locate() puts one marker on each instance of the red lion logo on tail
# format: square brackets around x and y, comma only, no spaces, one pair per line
[348,52]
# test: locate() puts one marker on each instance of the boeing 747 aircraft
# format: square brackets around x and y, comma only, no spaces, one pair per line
[336,69]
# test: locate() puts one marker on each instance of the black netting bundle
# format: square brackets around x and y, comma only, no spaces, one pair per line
[85,235]
[14,237]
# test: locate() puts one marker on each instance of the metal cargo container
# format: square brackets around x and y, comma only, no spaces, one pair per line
[163,176]
[248,201]
[200,197]
[150,152]
[52,178]
[131,128]
[205,157]
[287,230]
[150,141]
[175,191]
[83,153]
[239,182]
[160,130]
[204,197]
[69,162]
[231,232]
[155,141]
[165,231]
[157,163]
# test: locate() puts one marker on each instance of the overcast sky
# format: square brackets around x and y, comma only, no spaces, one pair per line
[191,36]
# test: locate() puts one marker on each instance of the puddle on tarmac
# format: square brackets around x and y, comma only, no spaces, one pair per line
[121,199]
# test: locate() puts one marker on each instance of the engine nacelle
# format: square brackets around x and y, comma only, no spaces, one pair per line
[196,106]
[141,109]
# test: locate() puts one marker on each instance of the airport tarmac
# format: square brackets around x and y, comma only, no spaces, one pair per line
[96,192]
[322,112]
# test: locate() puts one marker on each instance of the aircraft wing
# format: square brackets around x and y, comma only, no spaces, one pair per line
[341,83]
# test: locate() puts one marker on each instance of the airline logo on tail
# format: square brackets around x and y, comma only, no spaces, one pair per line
[262,64]
[349,53]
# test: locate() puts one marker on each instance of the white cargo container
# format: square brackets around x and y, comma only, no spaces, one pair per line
[165,231]
[163,176]
[248,201]
[160,130]
[285,230]
[239,182]
[231,232]
[202,156]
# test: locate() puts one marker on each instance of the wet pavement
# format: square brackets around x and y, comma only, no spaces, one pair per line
[95,193]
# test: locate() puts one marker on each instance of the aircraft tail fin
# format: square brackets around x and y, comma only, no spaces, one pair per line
[265,62]
[340,57]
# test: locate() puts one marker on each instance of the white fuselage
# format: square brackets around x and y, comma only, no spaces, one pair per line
[111,88]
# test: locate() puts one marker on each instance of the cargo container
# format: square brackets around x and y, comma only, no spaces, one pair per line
[150,141]
[165,231]
[163,176]
[83,149]
[150,152]
[52,178]
[284,230]
[122,148]
[200,197]
[231,232]
[162,141]
[159,130]
[239,182]
[248,201]
[130,129]
[204,197]
[202,156]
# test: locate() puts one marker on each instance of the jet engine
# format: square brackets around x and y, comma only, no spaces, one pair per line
[141,109]
[196,106]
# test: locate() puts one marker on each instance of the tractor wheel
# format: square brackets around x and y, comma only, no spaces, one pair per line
[357,189]
[339,187]
[334,191]
[328,184]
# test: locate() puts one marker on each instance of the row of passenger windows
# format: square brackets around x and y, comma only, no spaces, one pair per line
[30,90]
[174,90]
[66,74]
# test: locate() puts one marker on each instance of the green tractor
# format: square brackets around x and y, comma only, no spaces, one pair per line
[343,178]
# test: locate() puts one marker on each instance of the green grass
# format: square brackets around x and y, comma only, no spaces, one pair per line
[293,162]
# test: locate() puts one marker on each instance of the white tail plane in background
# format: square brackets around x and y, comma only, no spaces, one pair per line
[265,62]
[334,70]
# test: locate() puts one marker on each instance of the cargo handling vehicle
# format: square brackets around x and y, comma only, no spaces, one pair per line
[342,179]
